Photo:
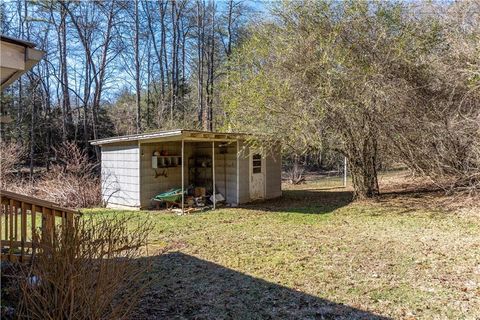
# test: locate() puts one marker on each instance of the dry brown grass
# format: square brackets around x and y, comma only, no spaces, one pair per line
[405,190]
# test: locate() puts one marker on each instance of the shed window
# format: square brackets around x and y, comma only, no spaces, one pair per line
[257,163]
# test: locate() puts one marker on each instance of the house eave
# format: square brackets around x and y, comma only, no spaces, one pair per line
[18,57]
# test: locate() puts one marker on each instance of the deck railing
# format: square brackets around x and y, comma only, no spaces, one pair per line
[22,218]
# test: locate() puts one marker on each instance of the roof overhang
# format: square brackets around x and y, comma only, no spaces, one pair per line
[16,58]
[171,135]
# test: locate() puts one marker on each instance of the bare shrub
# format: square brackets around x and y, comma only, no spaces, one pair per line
[295,171]
[88,272]
[11,155]
[435,129]
[73,181]
[447,152]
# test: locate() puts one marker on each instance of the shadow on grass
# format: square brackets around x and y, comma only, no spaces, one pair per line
[309,201]
[191,288]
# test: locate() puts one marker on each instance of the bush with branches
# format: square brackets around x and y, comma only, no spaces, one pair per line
[11,155]
[73,181]
[92,271]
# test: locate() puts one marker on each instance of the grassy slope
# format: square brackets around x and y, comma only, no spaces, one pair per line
[384,257]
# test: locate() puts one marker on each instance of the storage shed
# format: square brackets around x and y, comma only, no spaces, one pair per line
[136,168]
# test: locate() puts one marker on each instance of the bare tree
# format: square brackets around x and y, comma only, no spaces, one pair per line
[208,117]
[95,69]
[200,59]
[137,67]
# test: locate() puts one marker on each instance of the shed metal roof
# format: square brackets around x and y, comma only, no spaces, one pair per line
[176,134]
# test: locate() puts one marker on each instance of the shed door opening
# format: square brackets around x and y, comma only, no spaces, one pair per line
[257,174]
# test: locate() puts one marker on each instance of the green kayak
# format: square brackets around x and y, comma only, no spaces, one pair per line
[172,195]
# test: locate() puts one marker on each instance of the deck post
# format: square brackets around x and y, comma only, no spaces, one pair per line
[213,173]
[183,175]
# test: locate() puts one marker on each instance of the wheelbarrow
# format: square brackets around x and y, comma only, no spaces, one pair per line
[170,197]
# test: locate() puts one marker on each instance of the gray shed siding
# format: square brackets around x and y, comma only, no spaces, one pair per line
[244,173]
[226,172]
[273,174]
[121,175]
[151,186]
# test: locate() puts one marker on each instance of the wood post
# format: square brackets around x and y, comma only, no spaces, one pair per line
[10,212]
[15,216]
[47,231]
[33,217]
[23,231]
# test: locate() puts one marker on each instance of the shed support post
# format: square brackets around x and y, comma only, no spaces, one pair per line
[213,174]
[183,176]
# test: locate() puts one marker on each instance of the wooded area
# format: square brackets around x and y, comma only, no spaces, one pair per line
[117,67]
[378,82]
[393,87]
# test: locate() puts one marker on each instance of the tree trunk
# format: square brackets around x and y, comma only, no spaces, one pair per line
[137,68]
[62,37]
[163,48]
[200,56]
[173,83]
[48,115]
[208,125]
[228,50]
[20,112]
[32,137]
[149,73]
[363,169]
[159,52]
[86,97]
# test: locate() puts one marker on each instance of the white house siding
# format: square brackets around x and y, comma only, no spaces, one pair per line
[121,175]
[273,174]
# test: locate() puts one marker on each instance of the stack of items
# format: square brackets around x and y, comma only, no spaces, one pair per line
[196,198]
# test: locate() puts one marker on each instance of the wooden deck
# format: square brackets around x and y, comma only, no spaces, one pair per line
[22,218]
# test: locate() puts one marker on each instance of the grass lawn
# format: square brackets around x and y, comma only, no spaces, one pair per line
[313,254]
